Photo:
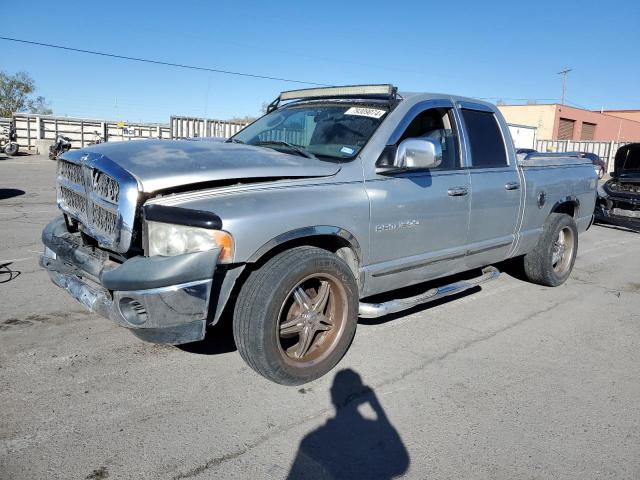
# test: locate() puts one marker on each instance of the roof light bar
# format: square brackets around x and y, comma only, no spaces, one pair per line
[380,91]
[348,91]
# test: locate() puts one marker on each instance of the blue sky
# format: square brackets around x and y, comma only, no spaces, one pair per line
[507,50]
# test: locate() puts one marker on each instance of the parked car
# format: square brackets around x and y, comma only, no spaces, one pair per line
[619,198]
[525,151]
[521,153]
[294,224]
[599,165]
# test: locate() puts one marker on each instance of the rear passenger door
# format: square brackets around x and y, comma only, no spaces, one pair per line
[495,187]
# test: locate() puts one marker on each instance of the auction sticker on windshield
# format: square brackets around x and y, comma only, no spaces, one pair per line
[366,112]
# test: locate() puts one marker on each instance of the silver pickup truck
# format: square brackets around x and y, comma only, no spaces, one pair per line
[317,213]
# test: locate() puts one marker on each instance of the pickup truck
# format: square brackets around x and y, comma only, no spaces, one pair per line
[296,225]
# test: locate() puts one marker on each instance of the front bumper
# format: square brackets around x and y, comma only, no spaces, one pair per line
[160,299]
[621,211]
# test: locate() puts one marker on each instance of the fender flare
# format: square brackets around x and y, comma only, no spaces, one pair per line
[311,231]
[567,199]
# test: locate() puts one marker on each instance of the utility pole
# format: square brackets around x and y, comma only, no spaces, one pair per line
[564,82]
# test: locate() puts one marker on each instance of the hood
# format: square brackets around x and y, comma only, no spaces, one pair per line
[627,163]
[161,164]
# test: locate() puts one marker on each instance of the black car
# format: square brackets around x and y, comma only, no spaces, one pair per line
[618,199]
[598,164]
[525,151]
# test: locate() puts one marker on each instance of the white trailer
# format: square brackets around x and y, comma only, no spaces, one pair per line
[524,136]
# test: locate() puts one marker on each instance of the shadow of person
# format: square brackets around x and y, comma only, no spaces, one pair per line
[349,445]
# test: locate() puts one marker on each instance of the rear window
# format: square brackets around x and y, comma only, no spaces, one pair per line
[485,137]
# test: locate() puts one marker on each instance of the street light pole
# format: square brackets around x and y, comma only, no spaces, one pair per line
[564,82]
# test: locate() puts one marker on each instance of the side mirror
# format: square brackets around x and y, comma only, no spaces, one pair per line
[418,153]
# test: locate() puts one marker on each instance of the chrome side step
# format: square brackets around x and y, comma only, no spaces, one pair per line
[373,310]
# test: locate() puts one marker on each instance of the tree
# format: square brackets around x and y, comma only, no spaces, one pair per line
[39,105]
[245,119]
[15,95]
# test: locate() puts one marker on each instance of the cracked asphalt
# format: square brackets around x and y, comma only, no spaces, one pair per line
[511,381]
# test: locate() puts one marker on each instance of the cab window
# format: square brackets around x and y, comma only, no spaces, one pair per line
[437,124]
[485,138]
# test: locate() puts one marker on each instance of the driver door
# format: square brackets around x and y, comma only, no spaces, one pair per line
[419,219]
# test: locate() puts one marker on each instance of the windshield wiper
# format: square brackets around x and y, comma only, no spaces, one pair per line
[295,148]
[234,140]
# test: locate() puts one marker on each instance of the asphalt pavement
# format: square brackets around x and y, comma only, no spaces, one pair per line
[512,381]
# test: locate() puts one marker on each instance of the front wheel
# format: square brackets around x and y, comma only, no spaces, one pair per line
[296,315]
[11,149]
[551,261]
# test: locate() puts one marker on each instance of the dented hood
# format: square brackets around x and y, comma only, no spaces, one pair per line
[162,164]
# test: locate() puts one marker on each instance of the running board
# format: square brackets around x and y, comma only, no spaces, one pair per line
[373,310]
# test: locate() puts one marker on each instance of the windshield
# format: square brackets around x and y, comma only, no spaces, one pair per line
[325,130]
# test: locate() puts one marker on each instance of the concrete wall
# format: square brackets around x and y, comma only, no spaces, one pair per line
[547,119]
[628,114]
[541,117]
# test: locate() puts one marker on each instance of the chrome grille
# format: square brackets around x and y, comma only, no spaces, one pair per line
[74,201]
[105,186]
[105,220]
[91,197]
[71,171]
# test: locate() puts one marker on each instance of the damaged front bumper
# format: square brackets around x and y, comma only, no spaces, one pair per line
[160,299]
[620,211]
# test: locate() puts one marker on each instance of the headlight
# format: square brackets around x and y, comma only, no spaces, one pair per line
[169,240]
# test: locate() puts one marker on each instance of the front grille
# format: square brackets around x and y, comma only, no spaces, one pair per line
[91,197]
[105,186]
[104,220]
[71,171]
[74,201]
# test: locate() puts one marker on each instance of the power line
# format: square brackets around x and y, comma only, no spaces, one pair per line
[161,62]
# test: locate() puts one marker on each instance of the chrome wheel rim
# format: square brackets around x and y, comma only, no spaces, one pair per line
[312,319]
[562,251]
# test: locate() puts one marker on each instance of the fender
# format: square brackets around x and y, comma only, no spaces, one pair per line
[568,199]
[311,231]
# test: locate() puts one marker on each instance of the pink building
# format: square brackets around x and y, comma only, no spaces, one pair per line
[561,122]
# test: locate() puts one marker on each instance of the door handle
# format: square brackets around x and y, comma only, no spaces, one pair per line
[512,186]
[457,191]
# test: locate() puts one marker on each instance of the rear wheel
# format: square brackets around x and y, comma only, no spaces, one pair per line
[296,315]
[551,261]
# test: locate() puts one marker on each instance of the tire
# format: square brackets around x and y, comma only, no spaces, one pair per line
[280,306]
[551,261]
[11,149]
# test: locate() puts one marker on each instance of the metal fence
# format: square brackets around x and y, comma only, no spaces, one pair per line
[4,123]
[605,150]
[289,135]
[188,127]
[81,131]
